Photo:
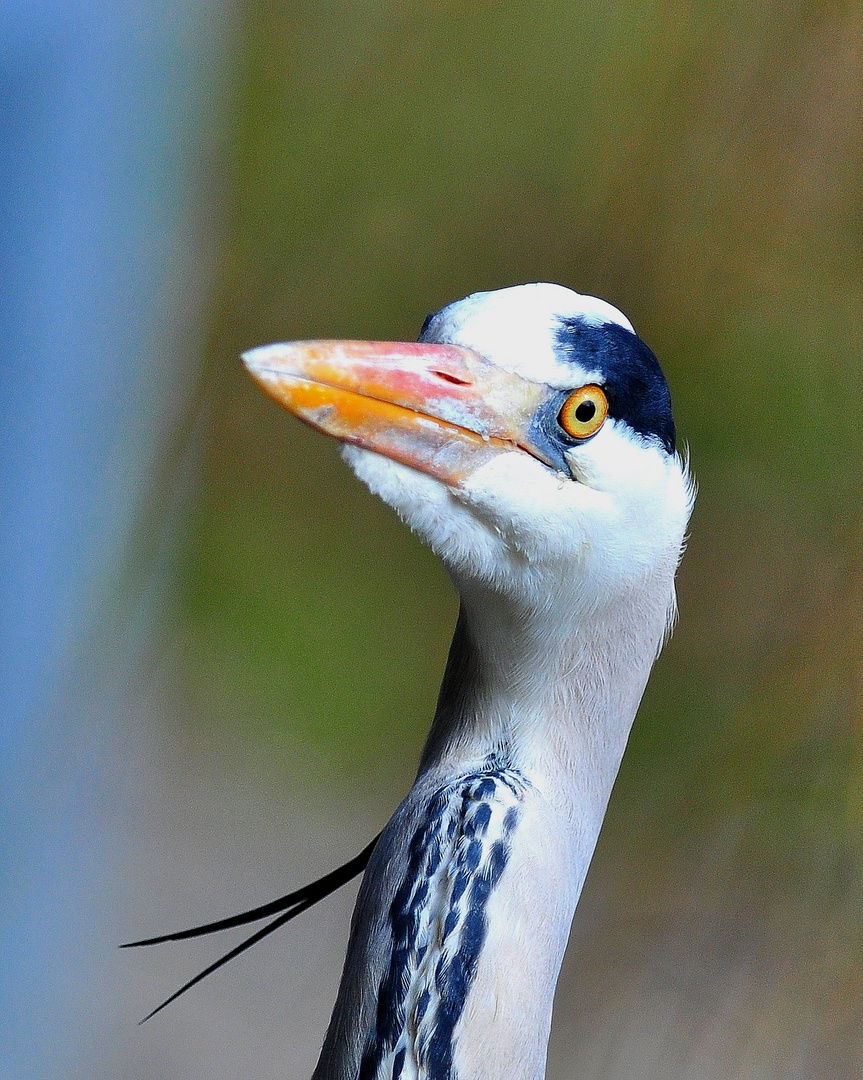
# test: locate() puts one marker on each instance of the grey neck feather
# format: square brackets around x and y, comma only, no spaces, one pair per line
[548,689]
[553,709]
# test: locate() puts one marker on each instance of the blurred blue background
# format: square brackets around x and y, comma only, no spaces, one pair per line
[219,654]
[105,261]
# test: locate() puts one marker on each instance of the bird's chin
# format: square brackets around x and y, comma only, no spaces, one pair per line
[400,486]
[482,529]
[435,512]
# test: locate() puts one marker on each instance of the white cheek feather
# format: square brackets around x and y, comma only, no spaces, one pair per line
[517,526]
[621,519]
[648,489]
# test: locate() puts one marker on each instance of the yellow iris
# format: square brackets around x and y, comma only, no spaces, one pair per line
[584,411]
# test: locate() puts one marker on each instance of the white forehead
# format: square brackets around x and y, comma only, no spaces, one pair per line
[517,327]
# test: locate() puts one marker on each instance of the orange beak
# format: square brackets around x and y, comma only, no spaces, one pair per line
[440,409]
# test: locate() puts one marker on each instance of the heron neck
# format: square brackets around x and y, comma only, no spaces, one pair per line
[551,688]
[547,694]
[465,909]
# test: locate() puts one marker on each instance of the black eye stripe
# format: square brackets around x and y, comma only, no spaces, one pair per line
[630,375]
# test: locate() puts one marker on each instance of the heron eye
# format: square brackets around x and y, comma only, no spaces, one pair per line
[584,412]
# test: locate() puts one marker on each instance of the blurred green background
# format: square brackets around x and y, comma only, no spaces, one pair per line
[698,165]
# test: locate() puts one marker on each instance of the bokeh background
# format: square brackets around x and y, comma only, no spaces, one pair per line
[220,654]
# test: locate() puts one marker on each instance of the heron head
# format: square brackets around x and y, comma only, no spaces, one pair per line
[527,437]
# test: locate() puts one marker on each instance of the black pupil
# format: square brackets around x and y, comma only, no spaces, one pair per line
[585,412]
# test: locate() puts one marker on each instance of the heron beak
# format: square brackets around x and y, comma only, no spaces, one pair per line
[440,409]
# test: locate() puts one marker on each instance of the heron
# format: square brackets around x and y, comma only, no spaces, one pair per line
[527,437]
